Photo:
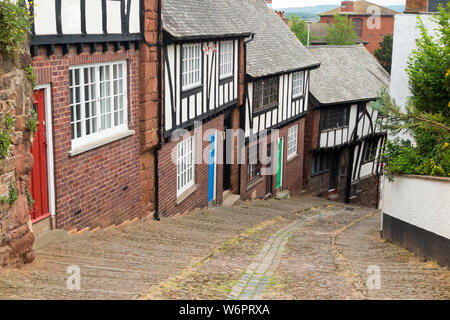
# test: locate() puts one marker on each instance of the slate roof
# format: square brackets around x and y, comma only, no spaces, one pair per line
[274,49]
[346,73]
[360,8]
[202,18]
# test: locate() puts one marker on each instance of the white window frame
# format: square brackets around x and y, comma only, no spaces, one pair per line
[292,143]
[191,63]
[226,52]
[185,164]
[121,102]
[297,83]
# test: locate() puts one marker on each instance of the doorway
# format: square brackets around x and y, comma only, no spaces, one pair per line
[226,165]
[39,174]
[280,163]
[212,169]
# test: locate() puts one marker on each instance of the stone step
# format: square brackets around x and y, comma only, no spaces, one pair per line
[283,194]
[229,199]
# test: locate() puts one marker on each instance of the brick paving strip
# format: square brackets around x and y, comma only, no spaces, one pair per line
[254,281]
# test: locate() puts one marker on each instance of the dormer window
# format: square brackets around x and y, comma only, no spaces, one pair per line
[191,66]
[226,59]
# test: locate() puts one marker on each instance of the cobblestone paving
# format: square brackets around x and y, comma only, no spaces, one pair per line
[304,248]
[253,283]
[130,261]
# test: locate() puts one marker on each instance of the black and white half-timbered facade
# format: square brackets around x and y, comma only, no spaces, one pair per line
[87,64]
[201,79]
[345,133]
[277,79]
[93,22]
[202,62]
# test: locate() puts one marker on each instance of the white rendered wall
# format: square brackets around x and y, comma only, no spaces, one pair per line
[405,35]
[421,201]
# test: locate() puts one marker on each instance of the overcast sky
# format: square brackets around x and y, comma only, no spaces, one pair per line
[307,3]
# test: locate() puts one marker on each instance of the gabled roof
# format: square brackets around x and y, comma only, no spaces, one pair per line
[346,73]
[274,49]
[360,8]
[184,19]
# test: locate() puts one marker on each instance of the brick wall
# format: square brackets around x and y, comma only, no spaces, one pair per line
[103,183]
[292,172]
[311,141]
[167,172]
[16,98]
[367,194]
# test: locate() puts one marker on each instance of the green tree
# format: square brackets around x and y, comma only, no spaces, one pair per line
[299,27]
[341,32]
[429,67]
[384,53]
[427,115]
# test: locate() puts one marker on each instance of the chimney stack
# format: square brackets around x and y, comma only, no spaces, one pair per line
[347,6]
[416,6]
[269,3]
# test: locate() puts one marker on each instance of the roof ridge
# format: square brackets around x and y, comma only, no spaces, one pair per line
[337,46]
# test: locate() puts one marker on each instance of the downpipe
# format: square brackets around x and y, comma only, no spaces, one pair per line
[160,139]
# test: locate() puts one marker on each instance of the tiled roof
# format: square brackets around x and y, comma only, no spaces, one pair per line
[361,7]
[274,49]
[346,73]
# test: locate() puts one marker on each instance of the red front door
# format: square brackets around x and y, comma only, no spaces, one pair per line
[39,182]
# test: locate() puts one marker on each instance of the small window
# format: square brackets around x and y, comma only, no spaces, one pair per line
[185,165]
[191,64]
[98,101]
[253,163]
[292,142]
[226,59]
[370,150]
[297,84]
[320,163]
[357,23]
[265,93]
[333,118]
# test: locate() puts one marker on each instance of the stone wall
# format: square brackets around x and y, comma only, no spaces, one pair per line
[16,100]
[148,106]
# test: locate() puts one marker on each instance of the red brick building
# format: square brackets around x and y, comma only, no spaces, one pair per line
[372,22]
[97,81]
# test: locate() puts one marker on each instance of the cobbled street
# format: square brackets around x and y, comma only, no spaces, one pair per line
[304,248]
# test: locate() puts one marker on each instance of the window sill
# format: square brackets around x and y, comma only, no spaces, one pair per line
[186,194]
[100,142]
[289,160]
[253,183]
[261,110]
[334,129]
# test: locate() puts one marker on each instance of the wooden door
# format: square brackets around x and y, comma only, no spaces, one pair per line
[212,170]
[269,176]
[280,164]
[39,181]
